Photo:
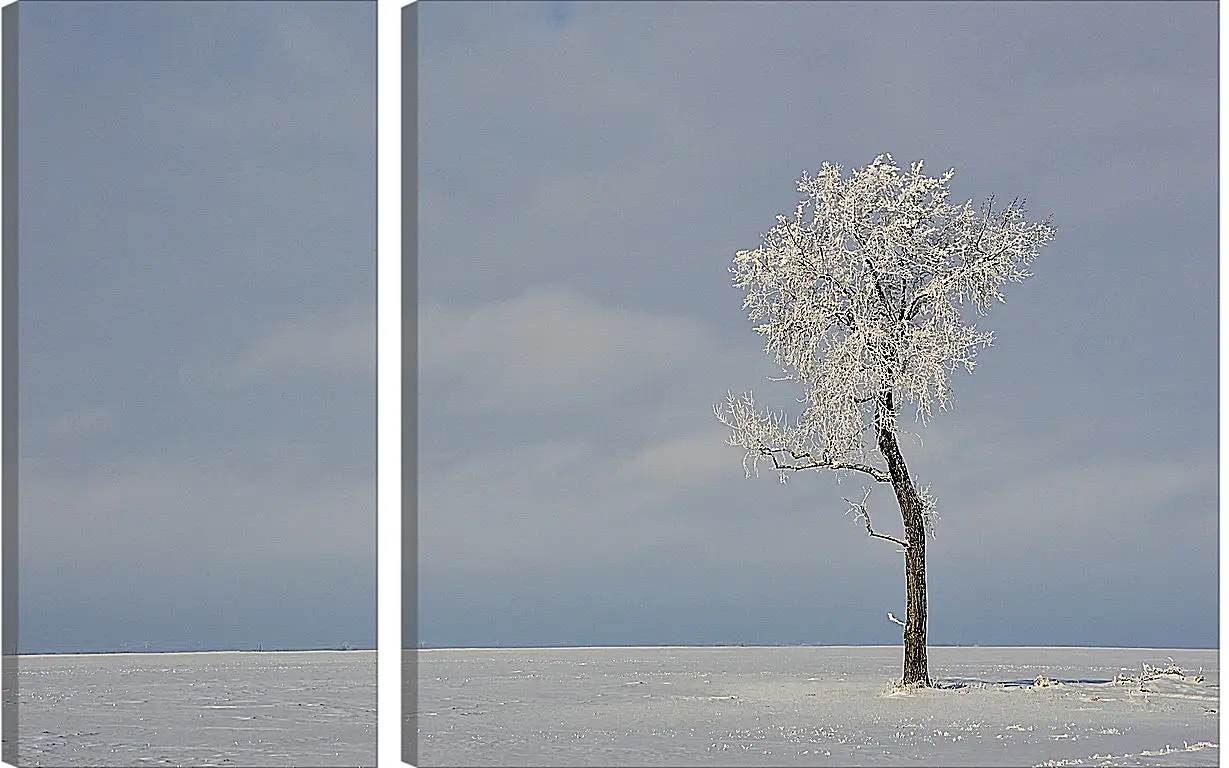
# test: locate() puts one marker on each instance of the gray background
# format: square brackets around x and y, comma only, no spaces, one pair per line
[197,326]
[587,171]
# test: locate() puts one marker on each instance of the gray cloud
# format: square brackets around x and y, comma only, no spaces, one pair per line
[182,514]
[341,343]
[551,345]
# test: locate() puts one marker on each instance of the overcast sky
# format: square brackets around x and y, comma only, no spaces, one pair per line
[587,171]
[197,325]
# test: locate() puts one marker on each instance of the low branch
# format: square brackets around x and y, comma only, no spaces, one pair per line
[867,519]
[859,509]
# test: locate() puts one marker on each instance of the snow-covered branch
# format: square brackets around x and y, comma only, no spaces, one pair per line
[814,463]
[767,436]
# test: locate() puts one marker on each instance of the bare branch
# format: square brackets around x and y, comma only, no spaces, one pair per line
[861,512]
[882,536]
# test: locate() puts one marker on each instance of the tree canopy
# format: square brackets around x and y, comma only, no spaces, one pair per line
[861,295]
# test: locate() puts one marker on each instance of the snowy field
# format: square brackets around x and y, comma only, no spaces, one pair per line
[815,706]
[186,709]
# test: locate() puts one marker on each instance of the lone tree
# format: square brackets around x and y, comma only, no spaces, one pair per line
[861,296]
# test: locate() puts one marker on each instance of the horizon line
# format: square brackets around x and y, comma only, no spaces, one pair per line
[791,645]
[184,653]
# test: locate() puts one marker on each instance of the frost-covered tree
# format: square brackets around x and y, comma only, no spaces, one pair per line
[862,296]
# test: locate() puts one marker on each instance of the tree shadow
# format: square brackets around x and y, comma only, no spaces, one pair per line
[955,683]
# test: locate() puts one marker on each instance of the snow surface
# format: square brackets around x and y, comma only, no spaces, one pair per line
[313,708]
[813,706]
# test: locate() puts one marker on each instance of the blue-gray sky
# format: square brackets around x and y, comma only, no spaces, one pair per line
[197,325]
[587,171]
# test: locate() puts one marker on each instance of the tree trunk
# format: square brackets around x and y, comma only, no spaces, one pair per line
[916,670]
